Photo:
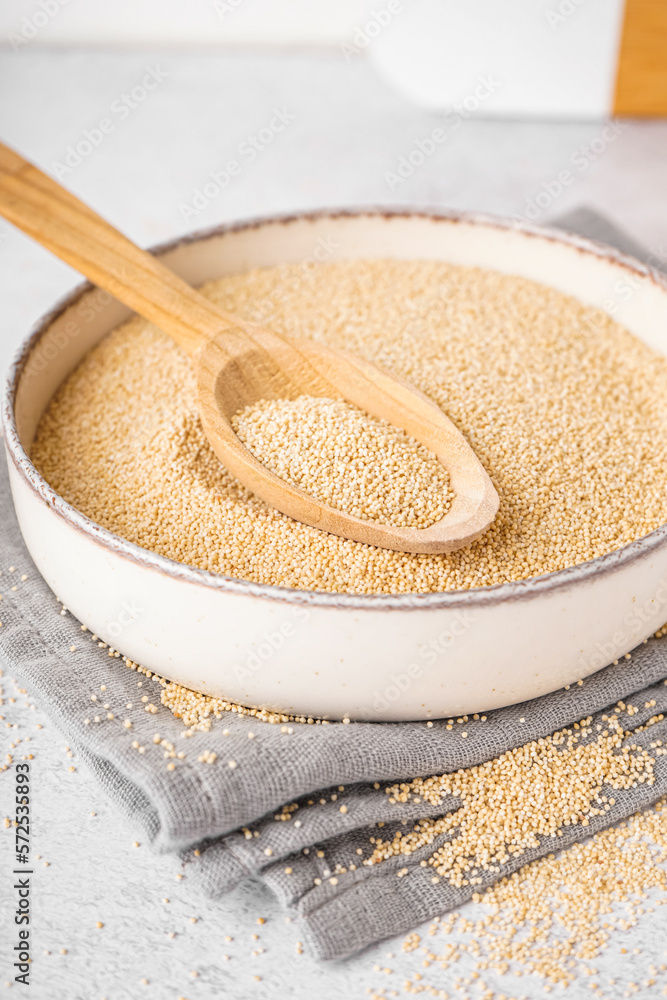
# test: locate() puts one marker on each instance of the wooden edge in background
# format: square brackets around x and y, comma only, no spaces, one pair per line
[641,73]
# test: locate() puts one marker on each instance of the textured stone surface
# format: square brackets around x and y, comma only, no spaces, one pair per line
[348,131]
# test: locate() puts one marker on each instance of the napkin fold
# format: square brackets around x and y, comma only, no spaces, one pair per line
[295,803]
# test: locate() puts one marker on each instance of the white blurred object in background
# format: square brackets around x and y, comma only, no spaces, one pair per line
[511,58]
[523,58]
[169,23]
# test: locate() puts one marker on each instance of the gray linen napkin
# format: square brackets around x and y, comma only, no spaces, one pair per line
[319,767]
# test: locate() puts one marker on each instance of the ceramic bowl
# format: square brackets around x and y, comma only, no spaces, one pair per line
[331,655]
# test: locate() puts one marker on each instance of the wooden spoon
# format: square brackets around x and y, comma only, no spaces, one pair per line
[238,363]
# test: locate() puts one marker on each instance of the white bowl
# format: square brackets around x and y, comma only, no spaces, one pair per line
[332,655]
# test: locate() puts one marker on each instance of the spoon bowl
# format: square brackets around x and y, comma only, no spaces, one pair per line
[224,388]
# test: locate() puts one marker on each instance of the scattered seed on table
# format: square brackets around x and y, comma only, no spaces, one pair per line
[570,891]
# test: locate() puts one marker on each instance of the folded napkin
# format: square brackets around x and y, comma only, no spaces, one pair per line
[332,777]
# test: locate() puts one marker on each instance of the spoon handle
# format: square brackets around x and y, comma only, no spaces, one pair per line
[77,235]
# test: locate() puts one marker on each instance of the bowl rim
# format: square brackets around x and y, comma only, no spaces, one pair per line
[473,597]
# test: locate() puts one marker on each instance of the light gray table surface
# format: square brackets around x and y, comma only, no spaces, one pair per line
[348,131]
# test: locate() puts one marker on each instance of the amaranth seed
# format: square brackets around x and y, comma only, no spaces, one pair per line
[566,410]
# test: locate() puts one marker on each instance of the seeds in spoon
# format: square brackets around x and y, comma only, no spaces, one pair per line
[347,459]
